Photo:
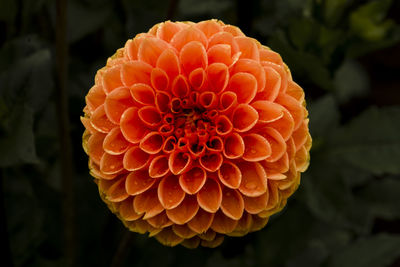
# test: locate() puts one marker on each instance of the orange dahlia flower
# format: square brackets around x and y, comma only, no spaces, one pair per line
[195,131]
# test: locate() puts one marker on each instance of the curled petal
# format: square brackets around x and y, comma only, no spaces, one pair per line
[268,111]
[150,117]
[215,144]
[115,143]
[273,84]
[150,49]
[167,30]
[220,53]
[117,192]
[210,196]
[168,238]
[97,174]
[248,47]
[283,125]
[218,76]
[224,125]
[197,78]
[95,147]
[233,146]
[235,31]
[131,126]
[294,107]
[255,205]
[152,143]
[229,174]
[180,86]
[183,231]
[127,212]
[192,181]
[224,38]
[143,94]
[159,79]
[227,102]
[148,203]
[254,179]
[135,159]
[159,222]
[169,62]
[223,224]
[169,145]
[186,210]
[138,182]
[232,203]
[100,121]
[112,79]
[162,101]
[209,27]
[201,222]
[295,91]
[133,72]
[95,97]
[179,162]
[192,56]
[302,159]
[159,166]
[111,164]
[244,117]
[279,166]
[170,193]
[282,73]
[256,147]
[244,85]
[188,35]
[278,144]
[252,67]
[211,162]
[300,135]
[267,54]
[208,100]
[116,103]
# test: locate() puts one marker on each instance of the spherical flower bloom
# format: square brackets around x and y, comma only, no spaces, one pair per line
[195,131]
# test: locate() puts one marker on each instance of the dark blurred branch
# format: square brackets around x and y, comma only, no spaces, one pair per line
[6,256]
[122,250]
[173,5]
[64,130]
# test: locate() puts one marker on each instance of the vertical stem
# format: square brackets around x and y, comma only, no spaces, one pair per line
[64,130]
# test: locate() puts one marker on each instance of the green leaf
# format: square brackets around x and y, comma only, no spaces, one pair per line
[374,251]
[370,142]
[334,9]
[350,81]
[324,116]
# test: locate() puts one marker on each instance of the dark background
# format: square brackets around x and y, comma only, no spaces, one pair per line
[344,53]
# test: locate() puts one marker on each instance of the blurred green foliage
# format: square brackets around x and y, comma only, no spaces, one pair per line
[347,209]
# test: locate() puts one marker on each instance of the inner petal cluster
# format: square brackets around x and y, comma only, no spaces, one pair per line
[195,131]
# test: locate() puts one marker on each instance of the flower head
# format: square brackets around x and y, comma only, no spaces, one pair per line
[195,131]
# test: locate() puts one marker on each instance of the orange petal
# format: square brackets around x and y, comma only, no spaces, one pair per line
[224,38]
[112,79]
[232,203]
[132,46]
[256,147]
[254,68]
[131,126]
[169,62]
[273,84]
[192,56]
[208,100]
[218,76]
[162,101]
[117,192]
[110,164]
[167,30]
[210,196]
[284,125]
[197,78]
[116,103]
[223,125]
[179,162]
[95,97]
[220,53]
[302,159]
[169,145]
[233,146]
[244,85]
[159,79]
[142,93]
[95,147]
[150,49]
[282,73]
[168,238]
[300,135]
[115,143]
[170,193]
[294,107]
[180,86]
[135,159]
[235,31]
[213,243]
[279,166]
[248,47]
[229,174]
[209,27]
[201,221]
[127,212]
[223,224]
[267,54]
[135,72]
[186,210]
[152,143]
[192,181]
[159,166]
[150,117]
[138,182]
[96,173]
[278,145]
[215,144]
[211,162]
[183,231]
[148,203]
[268,111]
[159,221]
[100,121]
[295,91]
[244,117]
[254,179]
[255,205]
[187,35]
[227,102]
